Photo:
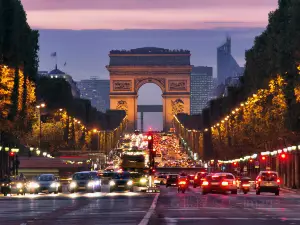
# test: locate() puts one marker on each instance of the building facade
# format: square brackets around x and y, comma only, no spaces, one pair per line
[201,88]
[226,64]
[56,73]
[97,91]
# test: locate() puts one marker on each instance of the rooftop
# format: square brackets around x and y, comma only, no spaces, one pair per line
[150,50]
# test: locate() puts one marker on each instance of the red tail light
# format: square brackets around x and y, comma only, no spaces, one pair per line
[182,182]
[196,177]
[205,183]
[234,182]
[224,183]
[278,181]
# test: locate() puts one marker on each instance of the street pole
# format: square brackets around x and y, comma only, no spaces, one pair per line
[40,124]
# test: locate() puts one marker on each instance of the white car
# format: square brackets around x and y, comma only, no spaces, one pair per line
[267,181]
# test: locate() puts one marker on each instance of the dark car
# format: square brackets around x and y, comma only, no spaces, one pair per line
[121,182]
[84,181]
[12,186]
[191,178]
[172,180]
[198,179]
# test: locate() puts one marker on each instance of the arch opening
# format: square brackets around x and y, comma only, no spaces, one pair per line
[150,113]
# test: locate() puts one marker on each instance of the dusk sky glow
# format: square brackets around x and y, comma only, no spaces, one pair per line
[82,32]
[147,14]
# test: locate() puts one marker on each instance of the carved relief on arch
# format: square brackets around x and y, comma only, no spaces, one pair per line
[122,105]
[161,82]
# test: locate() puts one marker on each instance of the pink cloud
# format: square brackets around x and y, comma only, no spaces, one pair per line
[146,14]
[143,4]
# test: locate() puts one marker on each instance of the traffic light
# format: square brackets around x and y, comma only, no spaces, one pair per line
[263,158]
[283,156]
[11,154]
[150,140]
[152,171]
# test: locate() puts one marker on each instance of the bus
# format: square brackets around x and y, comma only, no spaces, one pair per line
[133,162]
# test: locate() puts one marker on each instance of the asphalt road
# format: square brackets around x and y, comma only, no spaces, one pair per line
[167,207]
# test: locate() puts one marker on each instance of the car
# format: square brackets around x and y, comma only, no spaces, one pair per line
[219,182]
[140,181]
[267,181]
[44,183]
[83,181]
[172,180]
[121,181]
[160,179]
[191,178]
[198,179]
[12,186]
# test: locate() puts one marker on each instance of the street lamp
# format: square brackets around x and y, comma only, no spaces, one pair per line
[39,107]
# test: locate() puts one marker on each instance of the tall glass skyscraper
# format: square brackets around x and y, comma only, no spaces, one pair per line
[201,87]
[226,64]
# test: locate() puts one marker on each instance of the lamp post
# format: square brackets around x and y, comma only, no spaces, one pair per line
[39,107]
[95,131]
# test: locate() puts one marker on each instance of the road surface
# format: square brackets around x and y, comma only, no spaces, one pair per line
[167,207]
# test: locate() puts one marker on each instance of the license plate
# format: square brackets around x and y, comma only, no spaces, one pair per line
[81,188]
[121,186]
[214,183]
[173,184]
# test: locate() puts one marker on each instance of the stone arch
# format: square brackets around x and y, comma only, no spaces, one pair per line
[160,82]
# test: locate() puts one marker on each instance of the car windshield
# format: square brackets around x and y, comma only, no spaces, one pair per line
[121,176]
[81,176]
[46,178]
[94,175]
[268,176]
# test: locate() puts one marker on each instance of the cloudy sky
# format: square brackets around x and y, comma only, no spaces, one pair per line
[82,32]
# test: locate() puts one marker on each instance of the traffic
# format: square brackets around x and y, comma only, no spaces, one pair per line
[134,167]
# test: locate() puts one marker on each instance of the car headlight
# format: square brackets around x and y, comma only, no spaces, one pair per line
[97,182]
[112,183]
[73,185]
[129,183]
[54,185]
[143,180]
[91,184]
[33,185]
[19,185]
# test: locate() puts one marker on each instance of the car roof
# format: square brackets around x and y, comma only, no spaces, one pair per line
[268,171]
[47,174]
[83,172]
[221,174]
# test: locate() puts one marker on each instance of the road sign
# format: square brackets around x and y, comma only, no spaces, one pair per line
[245,168]
[256,164]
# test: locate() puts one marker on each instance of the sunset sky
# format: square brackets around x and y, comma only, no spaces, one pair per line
[82,32]
[147,14]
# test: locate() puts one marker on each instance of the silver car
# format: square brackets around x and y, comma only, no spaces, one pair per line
[44,183]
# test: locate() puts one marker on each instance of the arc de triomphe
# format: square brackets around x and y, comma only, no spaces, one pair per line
[169,69]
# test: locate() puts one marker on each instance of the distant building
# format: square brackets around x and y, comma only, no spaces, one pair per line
[97,91]
[201,87]
[213,92]
[227,65]
[56,73]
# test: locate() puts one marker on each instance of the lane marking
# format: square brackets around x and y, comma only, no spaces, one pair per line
[148,215]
